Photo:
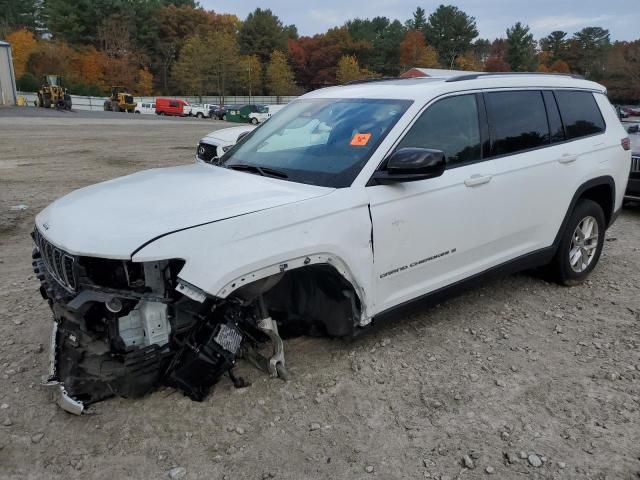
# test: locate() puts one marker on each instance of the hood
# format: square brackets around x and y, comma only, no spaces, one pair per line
[114,218]
[228,135]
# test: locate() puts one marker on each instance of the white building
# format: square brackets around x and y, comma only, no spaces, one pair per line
[7,77]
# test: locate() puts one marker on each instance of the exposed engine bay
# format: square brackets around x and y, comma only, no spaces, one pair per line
[123,328]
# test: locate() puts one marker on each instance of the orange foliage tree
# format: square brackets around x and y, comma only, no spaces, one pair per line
[23,44]
[144,85]
[88,67]
[415,53]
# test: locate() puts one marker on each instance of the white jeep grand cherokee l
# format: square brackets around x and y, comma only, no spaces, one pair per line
[350,203]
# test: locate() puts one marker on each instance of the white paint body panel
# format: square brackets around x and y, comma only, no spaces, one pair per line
[114,218]
[232,227]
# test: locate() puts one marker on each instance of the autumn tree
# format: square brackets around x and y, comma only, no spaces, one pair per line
[349,70]
[520,48]
[23,43]
[315,59]
[451,32]
[468,61]
[207,64]
[622,76]
[559,66]
[144,82]
[414,52]
[496,64]
[279,75]
[88,67]
[250,74]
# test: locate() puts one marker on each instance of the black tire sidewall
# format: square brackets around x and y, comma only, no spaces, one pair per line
[584,208]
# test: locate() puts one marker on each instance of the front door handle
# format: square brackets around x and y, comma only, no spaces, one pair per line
[567,158]
[475,180]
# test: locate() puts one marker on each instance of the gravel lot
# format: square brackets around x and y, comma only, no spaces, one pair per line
[518,379]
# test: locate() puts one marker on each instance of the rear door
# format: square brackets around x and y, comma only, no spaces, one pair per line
[538,164]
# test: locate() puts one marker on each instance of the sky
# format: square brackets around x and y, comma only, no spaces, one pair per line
[620,17]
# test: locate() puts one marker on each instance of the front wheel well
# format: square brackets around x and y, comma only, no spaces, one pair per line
[314,300]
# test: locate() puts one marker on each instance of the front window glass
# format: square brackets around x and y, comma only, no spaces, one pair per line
[450,125]
[318,141]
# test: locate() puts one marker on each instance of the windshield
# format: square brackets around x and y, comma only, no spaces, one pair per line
[322,142]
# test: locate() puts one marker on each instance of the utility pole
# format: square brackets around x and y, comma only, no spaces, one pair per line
[249,63]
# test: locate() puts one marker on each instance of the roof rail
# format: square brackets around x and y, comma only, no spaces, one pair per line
[474,76]
[371,80]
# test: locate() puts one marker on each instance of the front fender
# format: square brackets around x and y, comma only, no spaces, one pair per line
[223,256]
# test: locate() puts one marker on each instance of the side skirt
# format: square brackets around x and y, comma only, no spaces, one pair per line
[525,262]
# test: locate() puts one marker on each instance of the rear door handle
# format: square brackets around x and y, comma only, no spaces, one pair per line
[475,180]
[567,158]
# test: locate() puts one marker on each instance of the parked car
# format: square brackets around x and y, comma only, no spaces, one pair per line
[263,113]
[214,145]
[632,111]
[219,112]
[202,111]
[633,186]
[172,106]
[351,203]
[622,112]
[146,108]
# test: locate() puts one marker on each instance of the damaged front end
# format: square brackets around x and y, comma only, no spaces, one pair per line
[123,328]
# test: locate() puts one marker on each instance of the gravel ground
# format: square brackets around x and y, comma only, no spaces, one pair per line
[517,379]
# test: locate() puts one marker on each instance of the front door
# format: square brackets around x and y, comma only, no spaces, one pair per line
[432,233]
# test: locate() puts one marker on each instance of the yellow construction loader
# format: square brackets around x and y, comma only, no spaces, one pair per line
[119,101]
[52,94]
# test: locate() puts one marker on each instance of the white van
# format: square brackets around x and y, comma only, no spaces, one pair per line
[146,108]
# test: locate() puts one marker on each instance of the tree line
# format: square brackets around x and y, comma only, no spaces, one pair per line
[178,47]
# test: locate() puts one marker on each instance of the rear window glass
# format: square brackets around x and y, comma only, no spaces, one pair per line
[518,121]
[580,113]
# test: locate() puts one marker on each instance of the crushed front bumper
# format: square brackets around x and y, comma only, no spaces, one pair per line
[61,396]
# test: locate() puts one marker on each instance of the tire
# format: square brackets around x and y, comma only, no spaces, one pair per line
[39,103]
[254,121]
[199,115]
[46,102]
[106,106]
[577,257]
[161,114]
[67,102]
[137,112]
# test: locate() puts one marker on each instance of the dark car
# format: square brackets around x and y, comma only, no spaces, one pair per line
[219,112]
[633,187]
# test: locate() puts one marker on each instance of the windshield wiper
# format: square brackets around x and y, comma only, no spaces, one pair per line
[264,171]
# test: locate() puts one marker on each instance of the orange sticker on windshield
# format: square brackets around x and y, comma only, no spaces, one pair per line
[360,139]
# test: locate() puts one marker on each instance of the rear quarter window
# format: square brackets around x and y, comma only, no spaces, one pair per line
[580,113]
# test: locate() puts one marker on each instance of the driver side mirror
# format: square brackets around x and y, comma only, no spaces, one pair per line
[411,164]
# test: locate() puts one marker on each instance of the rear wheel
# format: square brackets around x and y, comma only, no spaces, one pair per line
[199,115]
[46,101]
[581,244]
[67,102]
[115,106]
[254,121]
